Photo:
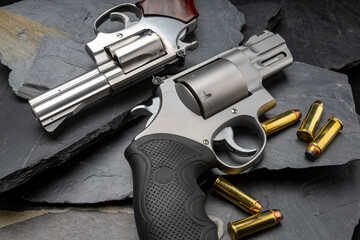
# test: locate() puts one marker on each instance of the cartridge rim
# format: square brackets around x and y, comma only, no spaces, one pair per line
[218,179]
[337,120]
[232,231]
[305,135]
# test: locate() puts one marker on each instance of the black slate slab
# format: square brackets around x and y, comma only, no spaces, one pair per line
[295,88]
[99,174]
[317,203]
[259,17]
[57,60]
[322,33]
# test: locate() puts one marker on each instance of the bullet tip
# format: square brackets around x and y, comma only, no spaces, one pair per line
[277,215]
[304,135]
[297,113]
[320,103]
[256,208]
[310,154]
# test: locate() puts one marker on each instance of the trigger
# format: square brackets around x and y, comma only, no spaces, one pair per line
[144,110]
[121,17]
[227,136]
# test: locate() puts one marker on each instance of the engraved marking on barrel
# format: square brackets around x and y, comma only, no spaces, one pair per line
[163,175]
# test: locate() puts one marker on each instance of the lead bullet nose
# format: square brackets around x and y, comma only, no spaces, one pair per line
[310,154]
[278,215]
[320,103]
[297,113]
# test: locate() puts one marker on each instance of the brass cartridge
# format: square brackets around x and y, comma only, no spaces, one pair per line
[254,223]
[308,126]
[323,138]
[236,196]
[281,121]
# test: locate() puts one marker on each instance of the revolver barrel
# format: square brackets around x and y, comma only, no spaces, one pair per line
[54,106]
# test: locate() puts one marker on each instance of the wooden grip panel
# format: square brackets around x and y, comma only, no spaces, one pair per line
[183,10]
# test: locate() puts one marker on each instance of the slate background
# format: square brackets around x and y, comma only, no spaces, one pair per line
[322,33]
[354,80]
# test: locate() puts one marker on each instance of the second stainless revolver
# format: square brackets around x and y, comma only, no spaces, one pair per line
[144,47]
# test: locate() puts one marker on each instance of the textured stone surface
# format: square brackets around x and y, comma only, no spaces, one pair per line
[296,87]
[99,174]
[322,33]
[72,223]
[17,30]
[57,59]
[317,203]
[259,17]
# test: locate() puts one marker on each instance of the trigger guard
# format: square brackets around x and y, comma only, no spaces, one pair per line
[120,17]
[227,136]
[235,169]
[126,7]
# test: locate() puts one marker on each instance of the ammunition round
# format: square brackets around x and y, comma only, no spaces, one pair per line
[236,196]
[323,138]
[254,223]
[281,121]
[308,126]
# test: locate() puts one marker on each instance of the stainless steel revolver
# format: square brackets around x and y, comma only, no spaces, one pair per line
[124,57]
[195,109]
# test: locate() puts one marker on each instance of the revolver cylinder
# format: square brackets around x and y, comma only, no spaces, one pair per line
[137,50]
[200,89]
[233,76]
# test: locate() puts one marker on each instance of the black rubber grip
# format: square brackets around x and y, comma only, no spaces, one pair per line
[168,203]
